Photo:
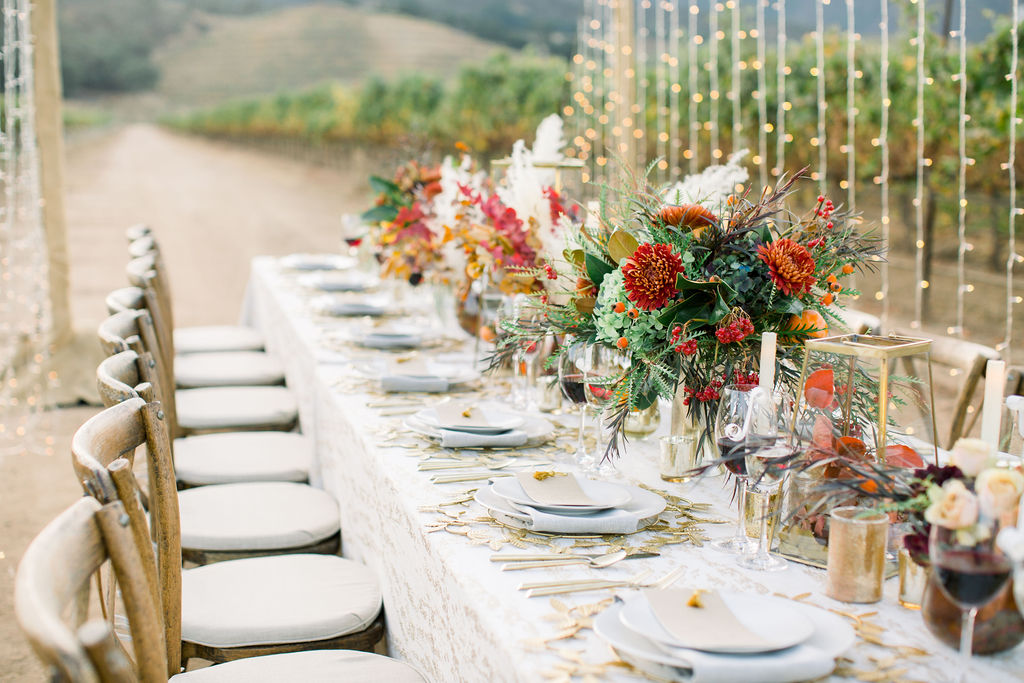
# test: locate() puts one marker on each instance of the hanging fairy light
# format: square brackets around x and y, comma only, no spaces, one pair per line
[661,79]
[694,94]
[851,108]
[734,84]
[1012,257]
[962,286]
[922,284]
[762,104]
[819,72]
[642,83]
[883,143]
[25,313]
[780,86]
[675,87]
[714,36]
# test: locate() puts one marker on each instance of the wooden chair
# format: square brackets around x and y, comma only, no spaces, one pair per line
[134,232]
[237,608]
[238,519]
[54,578]
[186,340]
[859,322]
[966,361]
[205,409]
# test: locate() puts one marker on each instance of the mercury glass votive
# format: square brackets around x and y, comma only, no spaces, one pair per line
[678,457]
[753,512]
[856,554]
[642,423]
[913,581]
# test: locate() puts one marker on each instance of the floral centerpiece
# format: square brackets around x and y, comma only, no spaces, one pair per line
[686,279]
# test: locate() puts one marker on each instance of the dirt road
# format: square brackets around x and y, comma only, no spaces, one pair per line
[214,207]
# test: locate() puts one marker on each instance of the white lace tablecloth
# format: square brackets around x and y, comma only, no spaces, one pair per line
[450,610]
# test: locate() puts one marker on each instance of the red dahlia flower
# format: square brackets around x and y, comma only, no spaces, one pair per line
[790,265]
[650,275]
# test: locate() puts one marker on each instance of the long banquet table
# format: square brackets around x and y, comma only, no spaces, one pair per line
[451,611]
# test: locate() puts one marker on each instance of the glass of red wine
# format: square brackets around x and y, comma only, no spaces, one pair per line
[740,428]
[971,570]
[570,378]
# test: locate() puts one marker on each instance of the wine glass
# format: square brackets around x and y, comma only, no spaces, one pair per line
[602,370]
[524,358]
[766,470]
[352,232]
[735,434]
[971,570]
[570,379]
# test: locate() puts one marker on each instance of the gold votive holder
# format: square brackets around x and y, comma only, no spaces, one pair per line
[642,423]
[678,457]
[913,581]
[549,394]
[753,512]
[856,554]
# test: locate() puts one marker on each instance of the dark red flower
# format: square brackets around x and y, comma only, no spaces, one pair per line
[790,265]
[650,275]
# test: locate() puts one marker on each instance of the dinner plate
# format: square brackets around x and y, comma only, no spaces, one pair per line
[812,659]
[485,418]
[775,620]
[454,373]
[317,262]
[330,282]
[647,507]
[538,430]
[605,495]
[341,307]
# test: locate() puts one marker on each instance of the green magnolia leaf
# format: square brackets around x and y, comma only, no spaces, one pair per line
[621,245]
[379,214]
[696,307]
[719,311]
[383,185]
[597,269]
[719,287]
[791,305]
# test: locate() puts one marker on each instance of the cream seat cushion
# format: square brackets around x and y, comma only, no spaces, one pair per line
[279,599]
[217,338]
[242,456]
[238,407]
[256,516]
[314,666]
[227,368]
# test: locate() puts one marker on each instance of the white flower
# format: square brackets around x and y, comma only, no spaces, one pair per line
[972,456]
[953,506]
[711,186]
[998,490]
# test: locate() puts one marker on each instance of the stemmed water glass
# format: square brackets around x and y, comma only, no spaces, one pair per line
[766,470]
[570,378]
[742,424]
[971,570]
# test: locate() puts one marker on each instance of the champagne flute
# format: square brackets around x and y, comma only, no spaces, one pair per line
[971,570]
[570,379]
[735,435]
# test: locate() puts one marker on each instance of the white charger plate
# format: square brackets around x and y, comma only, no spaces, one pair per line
[605,494]
[349,307]
[646,505]
[334,282]
[832,636]
[496,420]
[456,374]
[317,262]
[776,620]
[538,430]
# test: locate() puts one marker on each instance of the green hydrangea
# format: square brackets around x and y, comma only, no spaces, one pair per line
[641,333]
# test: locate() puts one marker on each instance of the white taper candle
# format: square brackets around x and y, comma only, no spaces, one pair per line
[767,367]
[992,408]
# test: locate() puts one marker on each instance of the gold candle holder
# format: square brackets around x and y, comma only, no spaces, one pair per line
[913,581]
[642,423]
[856,554]
[549,394]
[753,513]
[678,457]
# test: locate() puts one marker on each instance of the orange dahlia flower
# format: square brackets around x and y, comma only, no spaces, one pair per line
[790,265]
[650,275]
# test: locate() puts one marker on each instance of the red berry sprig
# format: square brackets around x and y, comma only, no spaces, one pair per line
[550,272]
[736,331]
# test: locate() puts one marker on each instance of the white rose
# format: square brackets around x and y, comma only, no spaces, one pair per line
[953,506]
[972,456]
[998,490]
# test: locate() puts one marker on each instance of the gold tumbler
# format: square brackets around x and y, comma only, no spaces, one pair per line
[856,554]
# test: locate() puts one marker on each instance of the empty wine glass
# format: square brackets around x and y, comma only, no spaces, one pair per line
[741,425]
[971,570]
[570,379]
[602,371]
[766,470]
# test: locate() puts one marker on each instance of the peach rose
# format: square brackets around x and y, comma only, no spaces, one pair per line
[998,490]
[972,456]
[953,506]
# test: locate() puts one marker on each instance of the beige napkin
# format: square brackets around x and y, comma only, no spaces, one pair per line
[711,627]
[461,415]
[562,489]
